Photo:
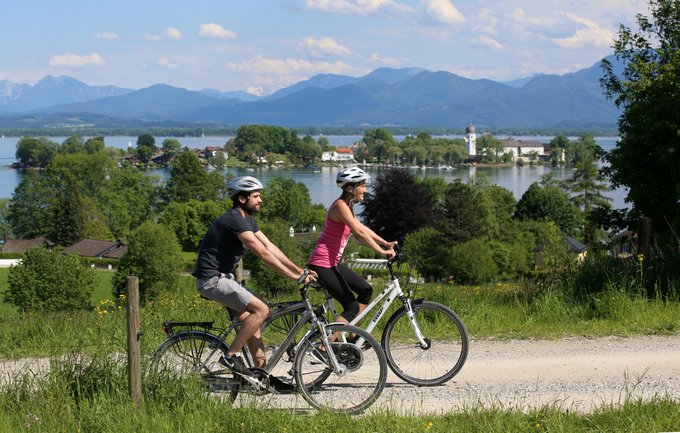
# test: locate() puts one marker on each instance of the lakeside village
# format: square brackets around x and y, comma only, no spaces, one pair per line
[519,152]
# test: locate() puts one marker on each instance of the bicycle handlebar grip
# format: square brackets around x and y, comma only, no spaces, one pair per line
[301,280]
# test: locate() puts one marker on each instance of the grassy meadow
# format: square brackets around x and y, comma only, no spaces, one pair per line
[89,394]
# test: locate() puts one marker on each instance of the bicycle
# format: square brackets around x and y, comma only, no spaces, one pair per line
[337,376]
[425,342]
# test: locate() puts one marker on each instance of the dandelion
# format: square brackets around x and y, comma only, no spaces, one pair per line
[429,425]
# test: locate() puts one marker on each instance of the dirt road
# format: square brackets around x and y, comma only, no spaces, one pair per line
[577,374]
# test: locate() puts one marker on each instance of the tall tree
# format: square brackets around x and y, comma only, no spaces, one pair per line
[647,156]
[68,218]
[29,212]
[398,205]
[465,214]
[549,203]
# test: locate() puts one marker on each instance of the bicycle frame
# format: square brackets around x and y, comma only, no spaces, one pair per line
[390,293]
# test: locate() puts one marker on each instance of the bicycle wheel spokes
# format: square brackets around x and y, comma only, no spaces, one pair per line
[191,356]
[355,386]
[443,331]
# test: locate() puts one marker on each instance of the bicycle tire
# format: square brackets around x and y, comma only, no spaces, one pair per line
[190,355]
[351,392]
[275,329]
[442,360]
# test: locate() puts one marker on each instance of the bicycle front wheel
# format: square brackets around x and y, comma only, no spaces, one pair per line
[355,385]
[194,355]
[447,344]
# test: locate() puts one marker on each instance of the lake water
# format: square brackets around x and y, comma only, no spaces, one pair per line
[321,184]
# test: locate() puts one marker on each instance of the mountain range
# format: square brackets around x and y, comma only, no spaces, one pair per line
[411,97]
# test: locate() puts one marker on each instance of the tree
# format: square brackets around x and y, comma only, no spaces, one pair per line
[154,257]
[587,189]
[127,198]
[35,152]
[490,148]
[48,281]
[29,213]
[426,251]
[289,200]
[397,206]
[171,146]
[190,220]
[189,180]
[68,219]
[646,158]
[549,203]
[94,145]
[465,215]
[472,262]
[146,147]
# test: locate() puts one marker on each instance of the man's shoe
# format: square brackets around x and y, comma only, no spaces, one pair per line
[280,386]
[235,364]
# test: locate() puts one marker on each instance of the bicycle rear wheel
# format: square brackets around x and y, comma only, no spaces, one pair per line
[447,338]
[194,355]
[356,386]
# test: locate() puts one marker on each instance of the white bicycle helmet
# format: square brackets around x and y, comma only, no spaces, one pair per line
[244,184]
[350,175]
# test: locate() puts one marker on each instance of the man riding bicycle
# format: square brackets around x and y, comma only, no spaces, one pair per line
[223,245]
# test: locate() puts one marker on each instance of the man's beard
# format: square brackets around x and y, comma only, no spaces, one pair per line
[251,210]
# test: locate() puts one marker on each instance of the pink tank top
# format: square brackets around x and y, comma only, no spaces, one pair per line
[329,247]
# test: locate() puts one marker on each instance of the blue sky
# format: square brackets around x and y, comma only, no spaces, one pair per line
[264,45]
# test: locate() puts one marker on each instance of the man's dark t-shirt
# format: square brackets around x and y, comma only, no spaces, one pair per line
[221,248]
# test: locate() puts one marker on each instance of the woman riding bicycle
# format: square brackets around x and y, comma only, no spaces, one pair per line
[340,281]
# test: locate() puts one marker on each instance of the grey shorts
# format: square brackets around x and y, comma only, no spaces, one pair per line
[224,290]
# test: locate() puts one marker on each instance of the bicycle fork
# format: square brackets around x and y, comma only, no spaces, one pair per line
[422,341]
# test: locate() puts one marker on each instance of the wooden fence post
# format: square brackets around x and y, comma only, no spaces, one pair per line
[134,334]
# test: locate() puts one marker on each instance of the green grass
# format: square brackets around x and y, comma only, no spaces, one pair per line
[91,396]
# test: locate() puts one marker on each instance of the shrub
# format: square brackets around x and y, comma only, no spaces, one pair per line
[47,281]
[472,262]
[425,250]
[262,278]
[154,257]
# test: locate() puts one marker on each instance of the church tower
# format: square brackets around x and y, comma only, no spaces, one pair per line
[471,139]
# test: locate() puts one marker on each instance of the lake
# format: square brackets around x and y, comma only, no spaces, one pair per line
[321,184]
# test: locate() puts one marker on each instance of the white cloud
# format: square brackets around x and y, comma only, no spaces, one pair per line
[257,91]
[375,58]
[213,30]
[164,62]
[173,33]
[76,60]
[358,7]
[489,42]
[324,47]
[272,74]
[589,34]
[109,36]
[486,22]
[261,64]
[150,37]
[442,11]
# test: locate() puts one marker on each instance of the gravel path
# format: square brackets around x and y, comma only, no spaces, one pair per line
[575,374]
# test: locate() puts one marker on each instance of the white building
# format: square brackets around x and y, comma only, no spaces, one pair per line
[521,149]
[471,139]
[343,154]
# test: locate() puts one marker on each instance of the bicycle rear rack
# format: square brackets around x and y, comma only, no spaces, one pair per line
[169,326]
